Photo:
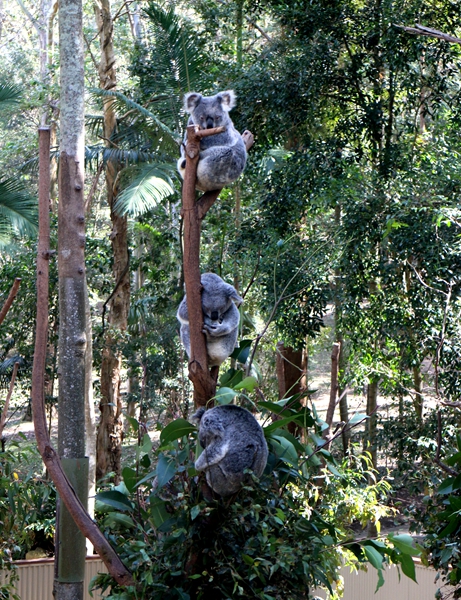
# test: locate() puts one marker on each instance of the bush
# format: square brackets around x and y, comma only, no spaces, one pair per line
[279,537]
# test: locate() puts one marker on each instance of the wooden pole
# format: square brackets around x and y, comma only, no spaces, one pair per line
[89,529]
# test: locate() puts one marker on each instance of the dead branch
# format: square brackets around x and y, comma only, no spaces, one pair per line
[50,458]
[8,398]
[428,31]
[9,301]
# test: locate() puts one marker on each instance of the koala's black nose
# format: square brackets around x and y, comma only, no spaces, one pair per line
[209,123]
[214,315]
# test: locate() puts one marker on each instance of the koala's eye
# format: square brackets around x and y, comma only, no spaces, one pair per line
[202,118]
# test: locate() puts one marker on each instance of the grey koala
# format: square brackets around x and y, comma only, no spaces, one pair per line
[232,441]
[220,318]
[222,156]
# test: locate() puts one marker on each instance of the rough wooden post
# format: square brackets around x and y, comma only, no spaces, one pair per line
[193,212]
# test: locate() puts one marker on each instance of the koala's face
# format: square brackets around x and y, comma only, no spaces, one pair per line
[214,305]
[212,111]
[211,431]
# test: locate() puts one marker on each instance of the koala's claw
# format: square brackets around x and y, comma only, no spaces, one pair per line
[248,139]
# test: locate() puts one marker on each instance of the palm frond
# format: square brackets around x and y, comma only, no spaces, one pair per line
[9,94]
[123,103]
[18,209]
[177,43]
[150,186]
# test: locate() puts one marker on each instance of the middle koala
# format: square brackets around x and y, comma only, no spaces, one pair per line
[220,318]
[222,156]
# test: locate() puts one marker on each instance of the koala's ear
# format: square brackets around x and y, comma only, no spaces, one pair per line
[235,297]
[191,100]
[195,418]
[228,99]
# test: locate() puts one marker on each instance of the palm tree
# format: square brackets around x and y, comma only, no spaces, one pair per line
[18,209]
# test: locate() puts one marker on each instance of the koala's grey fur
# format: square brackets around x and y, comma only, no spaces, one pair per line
[220,318]
[222,156]
[232,441]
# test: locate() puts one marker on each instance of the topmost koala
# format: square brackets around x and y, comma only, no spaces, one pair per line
[222,156]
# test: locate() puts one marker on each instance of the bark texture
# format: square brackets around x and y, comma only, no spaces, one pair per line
[70,542]
[110,431]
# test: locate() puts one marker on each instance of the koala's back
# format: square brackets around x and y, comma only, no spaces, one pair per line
[247,448]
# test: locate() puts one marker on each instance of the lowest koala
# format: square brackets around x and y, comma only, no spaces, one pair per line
[220,318]
[222,156]
[232,441]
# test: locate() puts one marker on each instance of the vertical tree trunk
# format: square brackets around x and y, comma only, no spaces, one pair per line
[110,431]
[418,401]
[71,549]
[372,422]
[291,371]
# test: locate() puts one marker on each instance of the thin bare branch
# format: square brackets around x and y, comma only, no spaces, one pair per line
[428,31]
[9,301]
[8,398]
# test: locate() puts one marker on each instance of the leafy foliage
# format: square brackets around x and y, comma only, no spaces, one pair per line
[276,538]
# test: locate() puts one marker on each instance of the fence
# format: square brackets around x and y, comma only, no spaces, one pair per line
[36,582]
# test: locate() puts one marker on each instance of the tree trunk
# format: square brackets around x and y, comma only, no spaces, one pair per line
[70,547]
[372,422]
[291,372]
[110,431]
[418,401]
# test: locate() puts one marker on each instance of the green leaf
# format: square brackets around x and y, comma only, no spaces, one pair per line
[176,429]
[242,353]
[115,518]
[231,378]
[115,499]
[249,384]
[285,450]
[158,511]
[133,422]
[373,556]
[446,487]
[454,459]
[408,566]
[195,511]
[357,418]
[166,469]
[146,444]
[405,543]
[268,429]
[225,395]
[129,478]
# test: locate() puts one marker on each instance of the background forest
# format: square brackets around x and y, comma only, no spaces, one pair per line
[343,233]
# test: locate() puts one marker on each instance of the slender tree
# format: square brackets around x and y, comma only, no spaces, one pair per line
[71,547]
[110,431]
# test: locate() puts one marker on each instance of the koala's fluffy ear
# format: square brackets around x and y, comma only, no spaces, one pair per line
[195,418]
[228,99]
[191,100]
[238,300]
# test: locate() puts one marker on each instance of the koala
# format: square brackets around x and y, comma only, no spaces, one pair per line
[222,156]
[220,318]
[232,441]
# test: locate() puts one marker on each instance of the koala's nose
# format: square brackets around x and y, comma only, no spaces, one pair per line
[209,123]
[214,315]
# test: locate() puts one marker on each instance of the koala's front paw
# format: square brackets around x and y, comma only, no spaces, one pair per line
[208,329]
[248,139]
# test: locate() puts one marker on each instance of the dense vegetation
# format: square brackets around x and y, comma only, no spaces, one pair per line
[344,228]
